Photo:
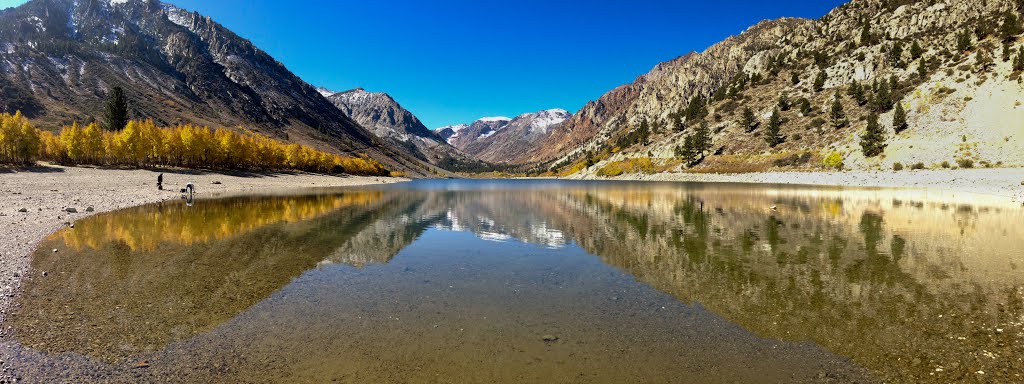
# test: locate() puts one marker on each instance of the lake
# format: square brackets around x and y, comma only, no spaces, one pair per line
[532,281]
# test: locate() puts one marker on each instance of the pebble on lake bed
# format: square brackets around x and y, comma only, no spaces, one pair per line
[549,338]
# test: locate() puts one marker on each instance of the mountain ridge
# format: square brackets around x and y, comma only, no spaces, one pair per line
[61,58]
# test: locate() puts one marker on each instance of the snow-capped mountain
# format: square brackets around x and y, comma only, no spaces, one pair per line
[498,139]
[449,131]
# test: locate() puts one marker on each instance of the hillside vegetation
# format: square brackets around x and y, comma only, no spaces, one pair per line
[142,143]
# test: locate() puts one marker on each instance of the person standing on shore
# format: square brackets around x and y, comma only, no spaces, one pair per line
[160,182]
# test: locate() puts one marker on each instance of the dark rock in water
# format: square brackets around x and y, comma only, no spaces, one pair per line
[549,338]
[90,209]
[71,210]
[23,210]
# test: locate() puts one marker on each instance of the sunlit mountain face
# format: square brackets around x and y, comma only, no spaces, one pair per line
[859,284]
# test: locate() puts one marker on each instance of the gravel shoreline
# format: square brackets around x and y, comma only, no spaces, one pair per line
[1005,184]
[35,202]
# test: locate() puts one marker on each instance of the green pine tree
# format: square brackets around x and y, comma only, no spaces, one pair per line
[115,117]
[836,114]
[687,151]
[882,100]
[805,107]
[1010,27]
[963,42]
[696,110]
[819,81]
[784,103]
[872,142]
[644,132]
[922,70]
[899,119]
[865,35]
[772,134]
[748,120]
[895,55]
[916,51]
[702,139]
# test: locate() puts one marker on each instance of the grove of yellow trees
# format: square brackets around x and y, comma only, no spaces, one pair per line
[143,144]
[19,141]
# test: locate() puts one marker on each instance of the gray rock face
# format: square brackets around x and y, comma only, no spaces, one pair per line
[60,58]
[381,114]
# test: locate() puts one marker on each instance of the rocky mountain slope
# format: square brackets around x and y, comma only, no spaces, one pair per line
[399,128]
[952,66]
[60,58]
[497,140]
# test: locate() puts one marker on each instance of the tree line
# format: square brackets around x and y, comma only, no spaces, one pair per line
[142,144]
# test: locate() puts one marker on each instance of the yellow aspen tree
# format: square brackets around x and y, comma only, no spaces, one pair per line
[92,144]
[28,146]
[72,137]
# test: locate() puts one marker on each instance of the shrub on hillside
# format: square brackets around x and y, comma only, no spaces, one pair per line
[833,161]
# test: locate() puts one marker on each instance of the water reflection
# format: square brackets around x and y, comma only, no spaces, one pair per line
[911,288]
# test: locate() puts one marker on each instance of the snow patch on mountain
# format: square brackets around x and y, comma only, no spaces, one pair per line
[325,92]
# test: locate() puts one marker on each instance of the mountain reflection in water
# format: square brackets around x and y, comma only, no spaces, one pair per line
[909,288]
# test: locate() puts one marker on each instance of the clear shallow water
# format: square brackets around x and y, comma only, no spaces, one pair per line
[532,281]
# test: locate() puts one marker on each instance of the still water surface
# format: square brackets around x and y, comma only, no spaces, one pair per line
[532,281]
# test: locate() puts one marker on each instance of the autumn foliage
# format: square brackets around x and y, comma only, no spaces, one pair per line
[143,144]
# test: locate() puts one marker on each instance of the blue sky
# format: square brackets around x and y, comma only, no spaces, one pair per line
[454,61]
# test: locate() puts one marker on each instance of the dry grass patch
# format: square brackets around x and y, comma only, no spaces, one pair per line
[645,165]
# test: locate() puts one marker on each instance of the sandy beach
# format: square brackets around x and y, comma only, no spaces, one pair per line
[36,202]
[1005,184]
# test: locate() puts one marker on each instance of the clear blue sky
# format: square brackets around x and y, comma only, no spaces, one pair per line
[454,61]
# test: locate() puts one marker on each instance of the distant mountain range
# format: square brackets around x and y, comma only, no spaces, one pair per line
[952,67]
[500,140]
